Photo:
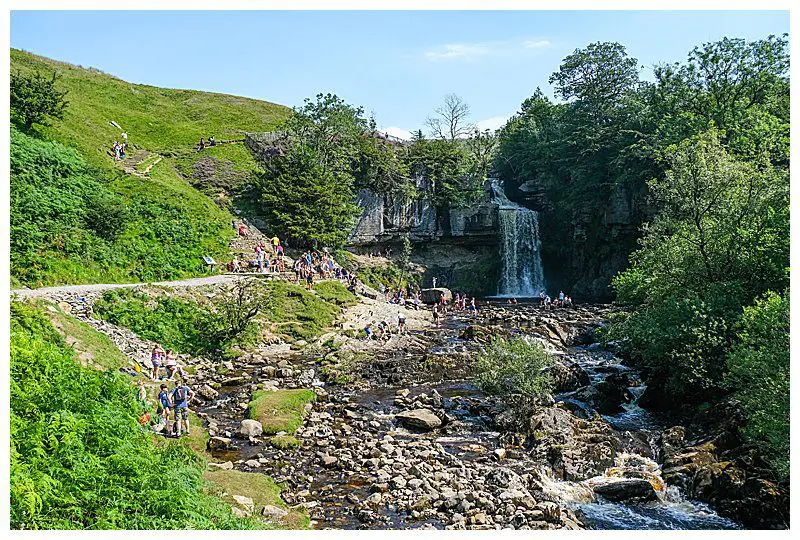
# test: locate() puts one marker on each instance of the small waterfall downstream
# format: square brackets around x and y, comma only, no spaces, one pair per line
[521,274]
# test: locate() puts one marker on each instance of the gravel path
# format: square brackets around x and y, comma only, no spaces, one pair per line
[100,287]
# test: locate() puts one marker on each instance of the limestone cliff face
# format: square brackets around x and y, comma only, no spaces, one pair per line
[459,246]
[384,220]
[584,249]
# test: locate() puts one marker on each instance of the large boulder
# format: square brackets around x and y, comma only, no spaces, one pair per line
[421,419]
[432,296]
[613,392]
[576,449]
[368,291]
[568,376]
[251,428]
[207,392]
[629,489]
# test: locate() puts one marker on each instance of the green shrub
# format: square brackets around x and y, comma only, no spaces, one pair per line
[173,322]
[78,457]
[759,373]
[517,370]
[388,275]
[35,97]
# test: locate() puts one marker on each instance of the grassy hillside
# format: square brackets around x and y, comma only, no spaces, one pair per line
[167,221]
[161,120]
[78,457]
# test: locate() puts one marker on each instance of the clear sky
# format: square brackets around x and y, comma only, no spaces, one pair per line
[398,65]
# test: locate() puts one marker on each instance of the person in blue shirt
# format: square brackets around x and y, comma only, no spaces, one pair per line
[180,396]
[164,405]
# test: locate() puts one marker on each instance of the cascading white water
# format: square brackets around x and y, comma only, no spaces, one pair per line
[521,274]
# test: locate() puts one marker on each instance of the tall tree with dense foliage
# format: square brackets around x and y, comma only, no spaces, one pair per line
[585,162]
[719,241]
[36,97]
[308,193]
[577,163]
[741,87]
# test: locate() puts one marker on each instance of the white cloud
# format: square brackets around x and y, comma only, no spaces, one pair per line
[493,123]
[397,132]
[467,51]
[470,51]
[537,44]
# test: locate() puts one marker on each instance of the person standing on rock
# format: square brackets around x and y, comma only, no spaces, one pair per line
[157,358]
[401,323]
[436,314]
[181,396]
[472,307]
[275,243]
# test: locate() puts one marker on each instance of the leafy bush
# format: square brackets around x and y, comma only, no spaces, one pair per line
[106,216]
[230,318]
[759,372]
[388,275]
[174,323]
[517,370]
[702,259]
[34,97]
[78,457]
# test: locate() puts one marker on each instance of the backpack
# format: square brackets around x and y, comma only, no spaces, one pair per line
[180,394]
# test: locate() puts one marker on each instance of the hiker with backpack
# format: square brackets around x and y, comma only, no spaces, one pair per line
[180,396]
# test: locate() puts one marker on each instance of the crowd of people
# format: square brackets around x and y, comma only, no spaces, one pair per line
[561,301]
[314,263]
[404,297]
[461,302]
[266,258]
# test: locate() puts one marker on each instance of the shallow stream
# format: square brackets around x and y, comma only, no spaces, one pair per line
[470,437]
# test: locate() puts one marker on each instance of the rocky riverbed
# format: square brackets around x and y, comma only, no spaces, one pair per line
[407,441]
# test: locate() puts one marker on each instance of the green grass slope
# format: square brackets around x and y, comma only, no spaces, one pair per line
[169,222]
[78,457]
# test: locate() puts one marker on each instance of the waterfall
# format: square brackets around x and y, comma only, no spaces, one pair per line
[520,247]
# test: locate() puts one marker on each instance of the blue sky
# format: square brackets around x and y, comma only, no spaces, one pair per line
[398,65]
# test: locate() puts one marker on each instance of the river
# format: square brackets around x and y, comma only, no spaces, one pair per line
[359,468]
